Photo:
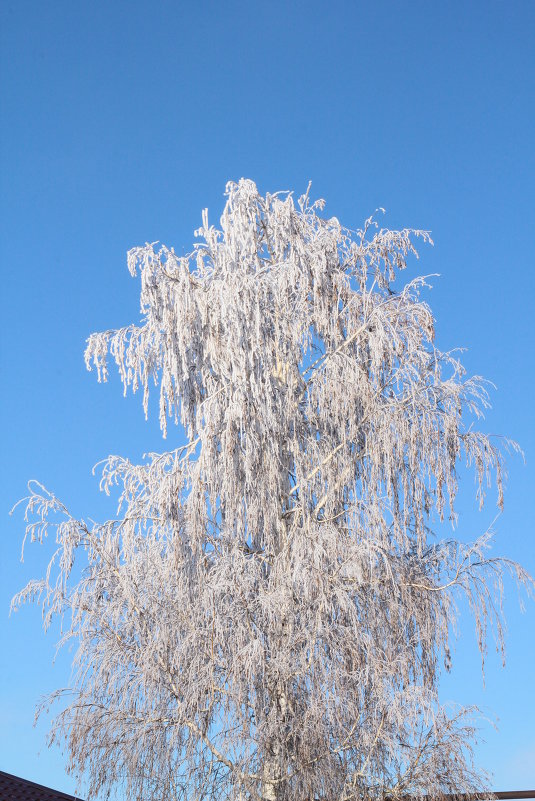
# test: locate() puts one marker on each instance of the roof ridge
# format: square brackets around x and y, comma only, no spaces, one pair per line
[14,782]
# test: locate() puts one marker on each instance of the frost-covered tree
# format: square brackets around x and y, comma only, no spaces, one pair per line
[268,616]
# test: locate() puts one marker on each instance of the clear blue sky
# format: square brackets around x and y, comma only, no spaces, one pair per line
[122,120]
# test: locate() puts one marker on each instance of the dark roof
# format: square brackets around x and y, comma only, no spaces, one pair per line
[13,788]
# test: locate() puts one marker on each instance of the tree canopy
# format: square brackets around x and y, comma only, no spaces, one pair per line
[269,613]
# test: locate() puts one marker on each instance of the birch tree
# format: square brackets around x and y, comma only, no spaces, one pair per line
[268,616]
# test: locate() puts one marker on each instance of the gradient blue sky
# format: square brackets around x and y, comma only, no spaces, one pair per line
[121,121]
